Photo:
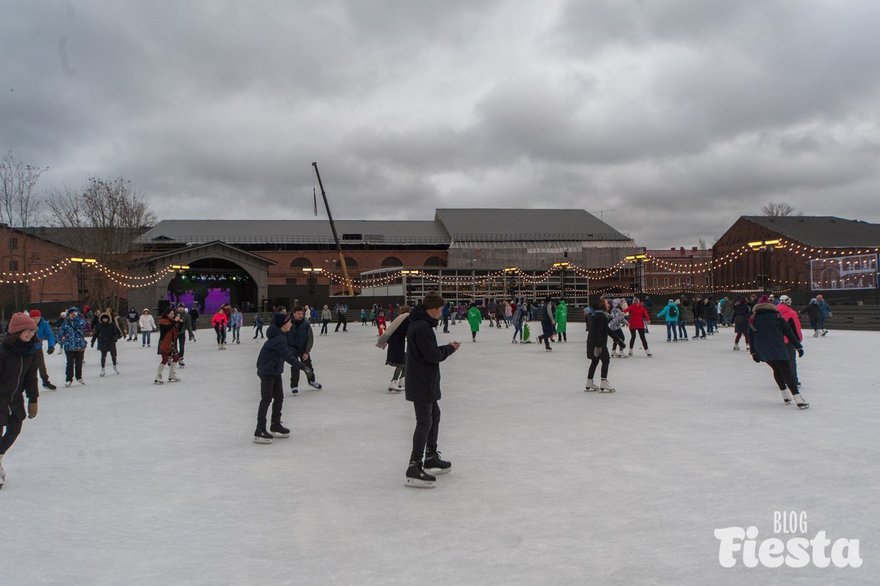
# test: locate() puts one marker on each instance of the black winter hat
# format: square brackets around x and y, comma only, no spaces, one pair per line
[433,300]
[281,319]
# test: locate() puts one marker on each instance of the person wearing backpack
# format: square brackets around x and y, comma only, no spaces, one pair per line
[670,313]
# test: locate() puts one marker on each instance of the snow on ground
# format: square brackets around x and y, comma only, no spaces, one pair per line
[121,481]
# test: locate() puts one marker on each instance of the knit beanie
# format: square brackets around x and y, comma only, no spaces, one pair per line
[281,319]
[21,322]
[36,313]
[433,300]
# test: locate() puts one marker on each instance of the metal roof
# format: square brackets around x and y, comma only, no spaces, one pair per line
[822,231]
[295,232]
[499,225]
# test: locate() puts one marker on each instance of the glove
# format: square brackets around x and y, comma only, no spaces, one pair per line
[50,350]
[755,358]
[800,352]
[33,408]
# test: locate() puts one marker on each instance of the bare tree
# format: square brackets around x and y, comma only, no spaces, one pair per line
[19,208]
[702,244]
[780,209]
[103,219]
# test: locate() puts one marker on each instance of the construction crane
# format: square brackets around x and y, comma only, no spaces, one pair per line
[349,290]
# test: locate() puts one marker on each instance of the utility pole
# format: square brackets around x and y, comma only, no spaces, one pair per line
[348,286]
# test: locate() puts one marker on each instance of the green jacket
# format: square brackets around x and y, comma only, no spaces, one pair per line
[561,317]
[474,318]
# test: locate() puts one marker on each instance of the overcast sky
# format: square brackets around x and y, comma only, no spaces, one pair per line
[673,117]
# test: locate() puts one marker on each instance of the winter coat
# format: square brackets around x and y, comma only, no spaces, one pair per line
[698,309]
[168,332]
[824,309]
[186,325]
[327,315]
[727,309]
[794,322]
[423,357]
[71,334]
[638,316]
[146,323]
[394,338]
[474,318]
[132,315]
[562,317]
[105,333]
[768,332]
[18,376]
[220,319]
[45,333]
[598,336]
[508,311]
[300,338]
[708,310]
[518,315]
[274,353]
[741,313]
[618,317]
[236,319]
[812,311]
[670,314]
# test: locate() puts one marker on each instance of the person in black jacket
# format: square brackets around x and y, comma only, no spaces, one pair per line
[300,340]
[597,346]
[394,337]
[270,368]
[19,362]
[106,333]
[767,329]
[423,358]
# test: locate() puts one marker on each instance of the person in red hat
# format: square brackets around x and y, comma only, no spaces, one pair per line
[44,334]
[19,362]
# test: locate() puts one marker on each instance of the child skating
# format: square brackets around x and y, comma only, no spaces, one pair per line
[395,339]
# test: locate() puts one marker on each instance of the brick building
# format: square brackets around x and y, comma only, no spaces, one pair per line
[678,270]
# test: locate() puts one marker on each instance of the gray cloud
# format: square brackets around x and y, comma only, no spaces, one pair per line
[672,117]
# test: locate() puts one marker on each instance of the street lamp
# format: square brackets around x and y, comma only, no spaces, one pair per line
[562,265]
[768,246]
[639,260]
[312,274]
[81,277]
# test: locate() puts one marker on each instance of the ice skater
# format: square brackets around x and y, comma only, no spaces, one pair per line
[597,347]
[813,312]
[615,327]
[768,332]
[300,340]
[741,313]
[381,323]
[423,358]
[548,323]
[19,363]
[44,333]
[258,325]
[794,322]
[474,317]
[518,319]
[326,316]
[169,330]
[394,337]
[133,318]
[236,320]
[185,329]
[270,368]
[670,314]
[638,318]
[147,325]
[562,320]
[72,337]
[106,334]
[220,322]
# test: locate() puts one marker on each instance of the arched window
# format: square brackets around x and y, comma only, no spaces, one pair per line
[656,281]
[678,281]
[350,263]
[392,261]
[665,281]
[301,263]
[435,261]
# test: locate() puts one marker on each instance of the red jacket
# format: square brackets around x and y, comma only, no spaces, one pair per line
[790,315]
[219,319]
[638,315]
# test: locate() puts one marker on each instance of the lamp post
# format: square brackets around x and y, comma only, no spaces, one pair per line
[81,277]
[508,271]
[404,274]
[767,246]
[563,266]
[312,274]
[639,260]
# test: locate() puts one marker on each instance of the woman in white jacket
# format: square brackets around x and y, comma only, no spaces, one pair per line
[146,324]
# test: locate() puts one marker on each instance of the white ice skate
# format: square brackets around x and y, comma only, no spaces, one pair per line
[102,372]
[786,396]
[801,402]
[736,346]
[115,369]
[2,470]
[591,386]
[158,380]
[394,386]
[172,376]
[605,386]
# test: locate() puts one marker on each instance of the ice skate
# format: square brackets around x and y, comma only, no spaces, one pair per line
[158,380]
[605,386]
[2,470]
[824,333]
[736,346]
[68,383]
[801,402]
[394,386]
[591,386]
[786,396]
[435,465]
[80,381]
[630,353]
[278,430]
[416,477]
[261,436]
[816,334]
[102,372]
[115,369]
[294,391]
[49,386]
[172,376]
[315,385]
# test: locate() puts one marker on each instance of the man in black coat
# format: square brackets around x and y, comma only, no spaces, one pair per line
[423,358]
[300,340]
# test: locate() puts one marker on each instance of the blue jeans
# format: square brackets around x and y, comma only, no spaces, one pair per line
[671,330]
[682,331]
[698,327]
[145,338]
[517,328]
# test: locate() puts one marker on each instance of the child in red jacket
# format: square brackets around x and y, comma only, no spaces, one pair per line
[380,321]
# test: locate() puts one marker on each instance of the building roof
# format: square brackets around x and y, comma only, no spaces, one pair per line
[376,232]
[500,225]
[822,231]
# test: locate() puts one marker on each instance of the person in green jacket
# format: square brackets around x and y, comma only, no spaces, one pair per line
[562,320]
[474,317]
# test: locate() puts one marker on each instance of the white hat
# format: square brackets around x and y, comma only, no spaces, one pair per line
[785,299]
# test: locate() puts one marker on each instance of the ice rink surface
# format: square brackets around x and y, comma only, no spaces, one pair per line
[123,482]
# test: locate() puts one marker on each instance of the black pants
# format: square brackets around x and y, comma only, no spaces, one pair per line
[792,361]
[632,339]
[604,358]
[221,334]
[783,376]
[294,372]
[181,344]
[44,374]
[112,351]
[324,323]
[445,324]
[427,428]
[271,391]
[342,322]
[74,364]
[10,432]
[619,339]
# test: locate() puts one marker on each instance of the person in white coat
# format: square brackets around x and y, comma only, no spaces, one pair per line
[146,324]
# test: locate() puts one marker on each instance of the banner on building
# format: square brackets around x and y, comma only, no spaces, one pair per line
[844,272]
